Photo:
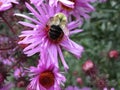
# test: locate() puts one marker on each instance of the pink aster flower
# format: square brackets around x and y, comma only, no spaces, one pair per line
[7,86]
[19,72]
[48,33]
[45,76]
[7,50]
[6,4]
[81,8]
[67,3]
[9,61]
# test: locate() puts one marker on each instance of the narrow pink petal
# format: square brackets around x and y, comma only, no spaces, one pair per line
[5,7]
[27,24]
[53,3]
[74,24]
[31,19]
[52,49]
[62,59]
[34,12]
[67,3]
[76,31]
[33,51]
[42,13]
[72,47]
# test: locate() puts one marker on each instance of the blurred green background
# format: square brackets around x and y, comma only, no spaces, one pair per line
[101,34]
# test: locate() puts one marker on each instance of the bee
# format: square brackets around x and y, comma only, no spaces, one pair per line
[57,27]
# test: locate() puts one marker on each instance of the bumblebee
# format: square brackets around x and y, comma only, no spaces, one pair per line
[57,27]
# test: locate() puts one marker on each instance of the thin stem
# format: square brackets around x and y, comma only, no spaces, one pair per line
[13,31]
[7,48]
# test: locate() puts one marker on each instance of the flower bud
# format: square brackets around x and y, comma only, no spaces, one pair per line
[113,54]
[89,68]
[79,80]
[87,65]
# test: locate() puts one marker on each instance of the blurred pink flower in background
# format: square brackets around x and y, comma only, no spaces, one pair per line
[6,4]
[19,72]
[79,80]
[53,3]
[7,86]
[7,50]
[81,8]
[88,65]
[8,61]
[89,68]
[113,54]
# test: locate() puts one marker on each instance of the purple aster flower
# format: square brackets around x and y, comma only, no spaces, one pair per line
[7,86]
[19,72]
[6,4]
[48,31]
[81,8]
[67,3]
[46,76]
[7,50]
[8,61]
[77,88]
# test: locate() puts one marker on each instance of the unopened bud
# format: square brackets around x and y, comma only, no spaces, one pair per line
[79,80]
[113,54]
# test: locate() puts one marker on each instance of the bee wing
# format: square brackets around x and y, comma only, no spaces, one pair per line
[64,28]
[66,31]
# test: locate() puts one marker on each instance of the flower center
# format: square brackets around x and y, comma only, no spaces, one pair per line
[46,79]
[1,3]
[67,8]
[55,33]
